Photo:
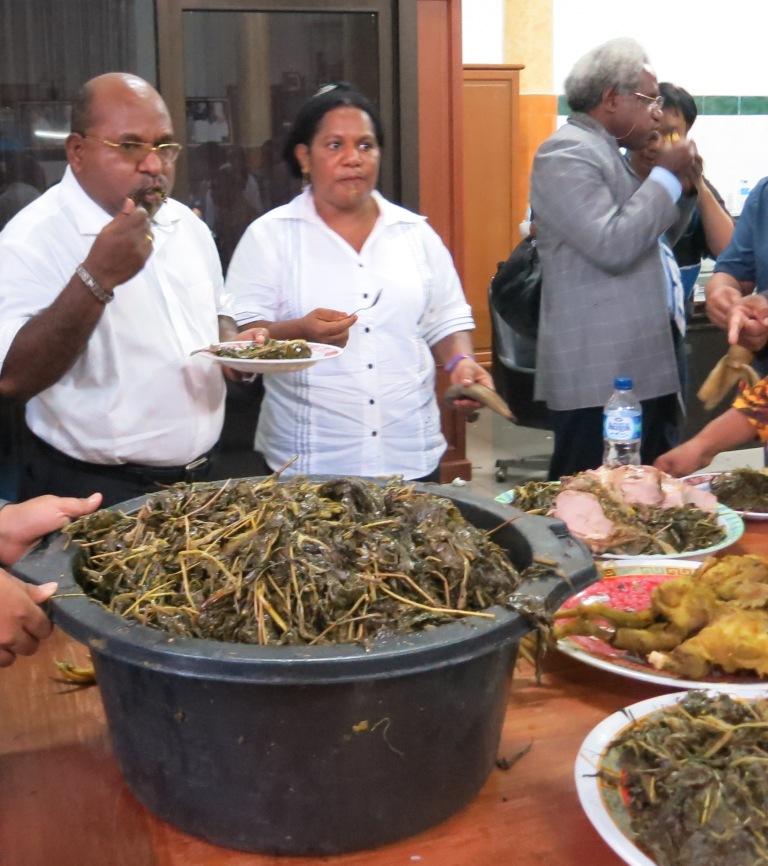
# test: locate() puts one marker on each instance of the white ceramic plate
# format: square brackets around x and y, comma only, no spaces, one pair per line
[588,785]
[703,479]
[320,352]
[726,517]
[638,577]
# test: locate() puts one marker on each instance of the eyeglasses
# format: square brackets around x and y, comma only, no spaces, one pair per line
[138,151]
[653,103]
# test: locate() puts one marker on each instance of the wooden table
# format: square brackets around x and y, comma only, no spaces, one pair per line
[63,801]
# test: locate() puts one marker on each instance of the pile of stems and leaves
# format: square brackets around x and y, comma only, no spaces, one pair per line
[295,562]
[272,350]
[742,489]
[642,530]
[693,779]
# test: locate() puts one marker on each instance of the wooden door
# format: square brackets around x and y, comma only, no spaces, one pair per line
[492,205]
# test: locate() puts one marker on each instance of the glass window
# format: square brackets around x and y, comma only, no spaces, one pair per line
[48,48]
[245,76]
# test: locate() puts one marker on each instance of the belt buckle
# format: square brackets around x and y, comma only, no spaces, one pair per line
[196,464]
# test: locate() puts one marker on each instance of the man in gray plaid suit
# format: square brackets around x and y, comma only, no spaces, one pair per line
[607,305]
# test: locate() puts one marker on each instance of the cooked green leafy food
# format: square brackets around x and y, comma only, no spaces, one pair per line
[629,510]
[742,489]
[296,562]
[272,350]
[692,778]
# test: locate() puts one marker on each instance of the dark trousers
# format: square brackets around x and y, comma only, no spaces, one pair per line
[579,435]
[46,470]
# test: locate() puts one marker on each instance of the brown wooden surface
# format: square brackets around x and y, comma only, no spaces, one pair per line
[63,802]
[491,158]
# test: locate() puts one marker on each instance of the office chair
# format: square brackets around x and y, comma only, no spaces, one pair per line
[513,367]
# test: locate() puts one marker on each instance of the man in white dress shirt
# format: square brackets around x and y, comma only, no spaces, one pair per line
[106,287]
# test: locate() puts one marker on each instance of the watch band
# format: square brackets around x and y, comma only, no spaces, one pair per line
[95,289]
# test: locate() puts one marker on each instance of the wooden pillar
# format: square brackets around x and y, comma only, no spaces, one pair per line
[440,169]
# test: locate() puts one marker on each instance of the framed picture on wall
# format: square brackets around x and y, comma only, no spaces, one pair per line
[44,124]
[208,120]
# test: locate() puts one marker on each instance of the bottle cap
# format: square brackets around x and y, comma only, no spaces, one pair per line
[622,383]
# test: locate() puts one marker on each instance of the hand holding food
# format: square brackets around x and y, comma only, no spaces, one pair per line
[327,326]
[121,248]
[679,157]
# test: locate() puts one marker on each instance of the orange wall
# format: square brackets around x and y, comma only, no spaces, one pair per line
[538,116]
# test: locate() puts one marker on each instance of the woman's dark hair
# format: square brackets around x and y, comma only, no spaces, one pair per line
[680,100]
[330,96]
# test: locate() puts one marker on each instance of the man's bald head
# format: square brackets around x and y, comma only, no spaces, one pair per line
[118,122]
[103,88]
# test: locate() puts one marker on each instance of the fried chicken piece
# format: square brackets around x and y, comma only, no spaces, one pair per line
[735,641]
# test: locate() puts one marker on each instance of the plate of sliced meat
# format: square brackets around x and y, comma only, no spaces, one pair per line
[633,511]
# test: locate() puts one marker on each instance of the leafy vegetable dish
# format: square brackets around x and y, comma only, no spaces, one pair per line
[298,562]
[742,489]
[692,779]
[272,350]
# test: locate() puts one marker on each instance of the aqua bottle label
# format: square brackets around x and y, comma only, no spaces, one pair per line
[621,426]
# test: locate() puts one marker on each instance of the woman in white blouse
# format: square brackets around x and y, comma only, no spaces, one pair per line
[334,248]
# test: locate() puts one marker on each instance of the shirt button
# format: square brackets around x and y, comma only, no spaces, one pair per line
[365,294]
[371,401]
[367,330]
[374,433]
[360,265]
[370,366]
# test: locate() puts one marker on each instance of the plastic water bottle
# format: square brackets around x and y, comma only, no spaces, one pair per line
[742,196]
[622,426]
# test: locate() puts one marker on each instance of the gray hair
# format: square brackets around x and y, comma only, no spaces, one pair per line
[617,63]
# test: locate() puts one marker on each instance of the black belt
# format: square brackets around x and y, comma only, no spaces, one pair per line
[192,471]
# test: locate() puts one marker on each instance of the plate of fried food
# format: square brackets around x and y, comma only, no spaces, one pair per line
[633,511]
[677,623]
[678,780]
[743,490]
[274,356]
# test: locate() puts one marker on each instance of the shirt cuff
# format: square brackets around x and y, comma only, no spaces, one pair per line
[665,178]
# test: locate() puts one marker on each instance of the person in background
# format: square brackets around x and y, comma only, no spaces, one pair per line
[736,300]
[301,269]
[745,421]
[711,227]
[106,287]
[22,622]
[609,303]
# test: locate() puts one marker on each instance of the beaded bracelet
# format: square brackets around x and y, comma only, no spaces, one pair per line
[95,289]
[455,360]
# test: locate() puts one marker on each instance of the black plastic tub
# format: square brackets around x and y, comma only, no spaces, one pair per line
[312,750]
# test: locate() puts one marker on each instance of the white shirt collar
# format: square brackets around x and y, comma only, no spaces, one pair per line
[90,217]
[303,207]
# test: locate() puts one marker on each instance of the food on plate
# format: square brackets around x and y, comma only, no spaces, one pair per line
[272,350]
[632,510]
[742,489]
[299,562]
[691,779]
[713,619]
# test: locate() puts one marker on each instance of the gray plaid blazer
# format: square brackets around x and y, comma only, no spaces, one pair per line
[604,297]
